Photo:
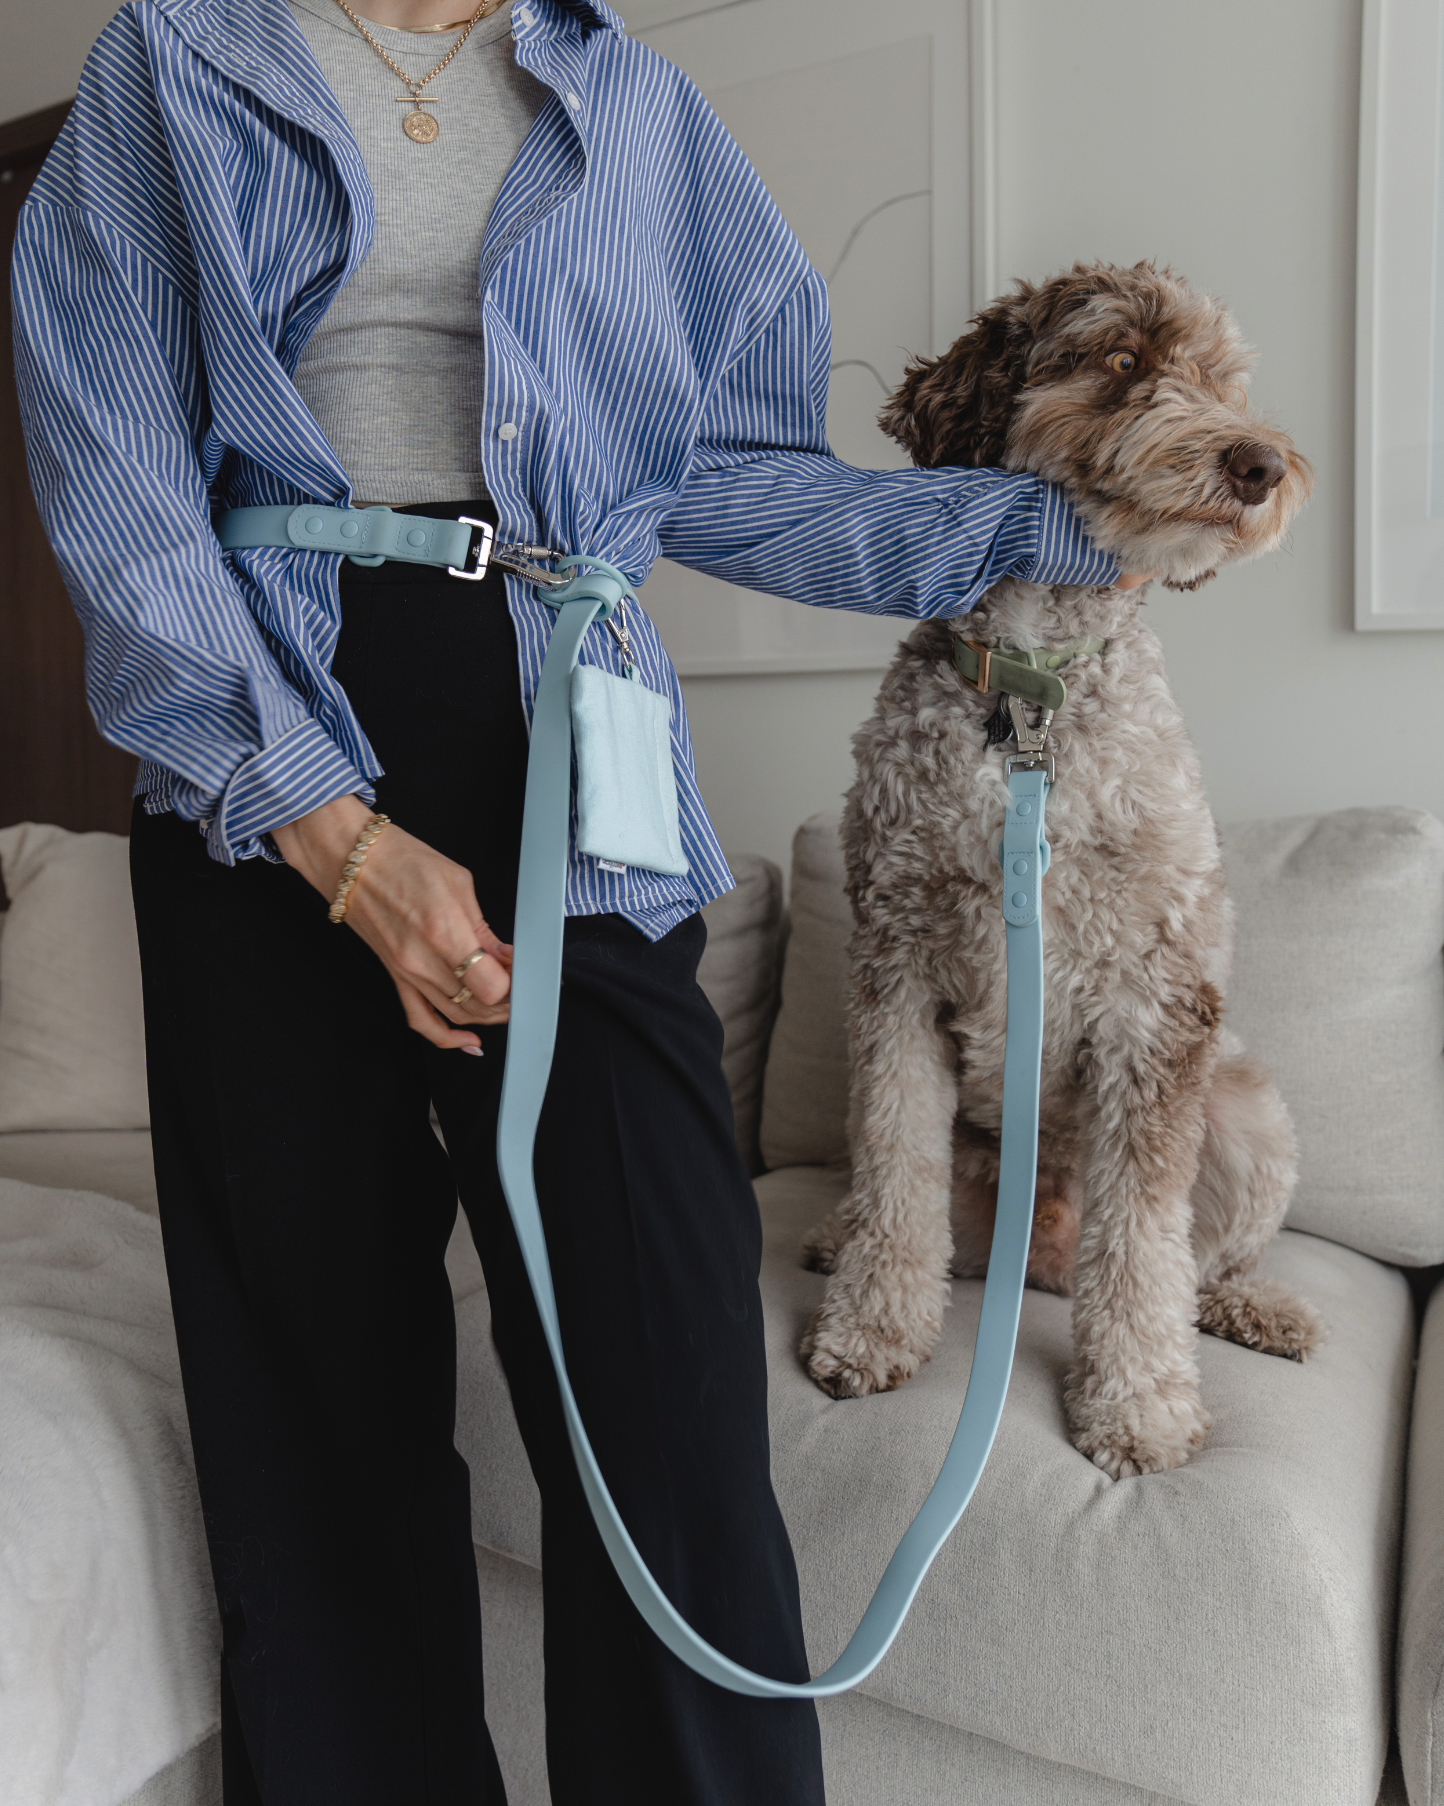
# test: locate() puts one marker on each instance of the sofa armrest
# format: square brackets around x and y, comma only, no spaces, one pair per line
[1421,1609]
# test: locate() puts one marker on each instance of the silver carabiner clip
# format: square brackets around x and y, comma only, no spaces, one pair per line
[519,560]
[1032,753]
[617,626]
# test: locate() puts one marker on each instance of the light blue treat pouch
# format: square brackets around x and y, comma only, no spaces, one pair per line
[626,788]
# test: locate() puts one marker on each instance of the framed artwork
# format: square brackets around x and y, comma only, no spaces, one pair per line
[1399,470]
[872,127]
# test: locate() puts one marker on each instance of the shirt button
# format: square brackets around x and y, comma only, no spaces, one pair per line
[523,14]
[507,430]
[572,101]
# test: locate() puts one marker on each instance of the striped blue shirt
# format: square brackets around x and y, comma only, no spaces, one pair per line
[657,353]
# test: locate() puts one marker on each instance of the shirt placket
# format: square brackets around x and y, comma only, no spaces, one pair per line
[510,414]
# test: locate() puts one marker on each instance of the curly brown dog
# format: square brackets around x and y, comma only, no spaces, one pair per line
[1166,1157]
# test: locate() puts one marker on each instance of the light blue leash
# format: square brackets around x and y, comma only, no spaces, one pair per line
[595,593]
[535,988]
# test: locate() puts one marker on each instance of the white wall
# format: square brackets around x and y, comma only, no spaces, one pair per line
[1222,139]
[46,42]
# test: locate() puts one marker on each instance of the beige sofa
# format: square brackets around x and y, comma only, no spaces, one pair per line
[1224,1635]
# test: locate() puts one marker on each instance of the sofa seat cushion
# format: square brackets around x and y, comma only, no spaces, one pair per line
[1219,1635]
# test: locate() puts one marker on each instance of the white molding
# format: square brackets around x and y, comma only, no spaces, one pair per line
[1390,553]
[1365,381]
[983,96]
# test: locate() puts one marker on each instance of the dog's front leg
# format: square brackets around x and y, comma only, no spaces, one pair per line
[1132,1397]
[883,1309]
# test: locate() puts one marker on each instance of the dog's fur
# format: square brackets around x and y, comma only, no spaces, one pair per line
[1166,1156]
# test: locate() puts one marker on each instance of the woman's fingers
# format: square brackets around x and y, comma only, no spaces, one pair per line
[424,1019]
[488,980]
[417,910]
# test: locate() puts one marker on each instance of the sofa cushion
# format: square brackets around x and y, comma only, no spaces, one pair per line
[72,1036]
[115,1162]
[1421,1626]
[739,973]
[1337,986]
[1219,1635]
[804,1096]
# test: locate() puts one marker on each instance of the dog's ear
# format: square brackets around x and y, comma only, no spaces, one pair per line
[955,409]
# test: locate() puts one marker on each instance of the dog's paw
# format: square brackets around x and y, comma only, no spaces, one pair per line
[820,1246]
[1261,1314]
[1145,1434]
[851,1360]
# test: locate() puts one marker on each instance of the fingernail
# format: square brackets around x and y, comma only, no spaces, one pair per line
[472,1050]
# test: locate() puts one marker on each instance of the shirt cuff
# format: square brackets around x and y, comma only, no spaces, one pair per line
[285,780]
[1065,554]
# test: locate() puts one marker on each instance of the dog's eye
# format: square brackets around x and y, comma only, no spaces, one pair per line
[1121,361]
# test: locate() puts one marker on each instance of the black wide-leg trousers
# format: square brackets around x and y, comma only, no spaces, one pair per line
[306,1206]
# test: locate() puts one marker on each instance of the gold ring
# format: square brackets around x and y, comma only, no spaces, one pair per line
[470,960]
[462,996]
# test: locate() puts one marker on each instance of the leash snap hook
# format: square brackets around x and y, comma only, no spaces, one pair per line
[1033,753]
[520,560]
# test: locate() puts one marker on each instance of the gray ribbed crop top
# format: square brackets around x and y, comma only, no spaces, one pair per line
[394,373]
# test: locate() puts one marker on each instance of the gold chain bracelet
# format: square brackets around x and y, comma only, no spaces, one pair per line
[355,859]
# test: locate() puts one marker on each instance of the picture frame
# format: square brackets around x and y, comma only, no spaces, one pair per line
[890,185]
[1399,419]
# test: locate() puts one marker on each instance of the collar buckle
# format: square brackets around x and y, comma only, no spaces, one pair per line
[983,682]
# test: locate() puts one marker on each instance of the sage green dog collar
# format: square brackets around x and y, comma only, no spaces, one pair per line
[1028,673]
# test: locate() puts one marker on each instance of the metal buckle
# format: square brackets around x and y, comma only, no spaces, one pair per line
[485,536]
[1030,762]
[1032,753]
[984,681]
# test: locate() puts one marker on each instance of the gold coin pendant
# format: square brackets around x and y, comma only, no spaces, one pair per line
[419,127]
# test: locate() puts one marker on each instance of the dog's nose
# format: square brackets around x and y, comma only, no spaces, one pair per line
[1254,471]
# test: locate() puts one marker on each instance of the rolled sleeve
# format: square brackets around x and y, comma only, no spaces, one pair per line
[297,773]
[767,505]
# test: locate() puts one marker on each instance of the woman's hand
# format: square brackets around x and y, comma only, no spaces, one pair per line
[417,911]
[1132,579]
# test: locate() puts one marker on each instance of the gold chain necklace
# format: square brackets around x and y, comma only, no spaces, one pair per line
[421,128]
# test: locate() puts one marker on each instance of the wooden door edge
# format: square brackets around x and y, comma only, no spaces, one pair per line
[24,139]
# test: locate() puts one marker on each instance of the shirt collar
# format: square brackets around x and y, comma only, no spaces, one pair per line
[590,12]
[240,27]
[258,44]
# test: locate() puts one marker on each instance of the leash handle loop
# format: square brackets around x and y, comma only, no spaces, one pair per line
[531,1040]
